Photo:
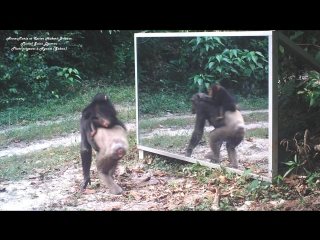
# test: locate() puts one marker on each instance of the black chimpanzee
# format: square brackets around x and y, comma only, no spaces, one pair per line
[231,130]
[110,142]
[220,97]
[101,113]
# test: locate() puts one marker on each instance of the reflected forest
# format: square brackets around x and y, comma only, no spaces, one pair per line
[170,70]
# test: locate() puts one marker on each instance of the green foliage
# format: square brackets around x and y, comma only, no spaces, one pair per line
[34,64]
[190,64]
[311,90]
[294,166]
[221,58]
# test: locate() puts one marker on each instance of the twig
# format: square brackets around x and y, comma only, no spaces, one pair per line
[304,82]
[304,44]
[217,196]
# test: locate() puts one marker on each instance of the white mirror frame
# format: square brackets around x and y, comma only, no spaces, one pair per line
[272,97]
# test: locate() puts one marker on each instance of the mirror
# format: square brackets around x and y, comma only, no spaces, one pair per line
[170,63]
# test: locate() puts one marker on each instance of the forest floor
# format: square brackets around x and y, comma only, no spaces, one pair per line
[57,189]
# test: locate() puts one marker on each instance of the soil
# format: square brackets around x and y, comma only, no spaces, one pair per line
[57,189]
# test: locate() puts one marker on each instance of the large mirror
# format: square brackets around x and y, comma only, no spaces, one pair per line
[177,65]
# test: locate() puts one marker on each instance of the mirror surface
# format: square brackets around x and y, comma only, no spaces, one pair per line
[170,68]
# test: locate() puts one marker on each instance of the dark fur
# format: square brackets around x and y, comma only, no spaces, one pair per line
[231,130]
[101,113]
[220,97]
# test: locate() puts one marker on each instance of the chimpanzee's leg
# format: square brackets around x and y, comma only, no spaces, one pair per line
[215,140]
[106,168]
[86,156]
[232,153]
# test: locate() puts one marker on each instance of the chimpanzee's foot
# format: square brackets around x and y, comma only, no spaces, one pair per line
[84,184]
[212,158]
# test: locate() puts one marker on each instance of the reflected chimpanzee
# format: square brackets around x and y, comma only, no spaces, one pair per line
[111,144]
[101,113]
[230,130]
[220,97]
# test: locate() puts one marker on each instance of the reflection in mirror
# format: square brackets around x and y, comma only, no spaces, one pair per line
[170,69]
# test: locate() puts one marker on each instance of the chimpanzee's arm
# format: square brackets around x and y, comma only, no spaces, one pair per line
[207,99]
[197,132]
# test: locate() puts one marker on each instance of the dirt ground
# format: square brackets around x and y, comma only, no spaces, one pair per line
[57,189]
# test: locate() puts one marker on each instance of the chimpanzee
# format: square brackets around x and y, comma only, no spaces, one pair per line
[111,144]
[101,113]
[231,130]
[219,96]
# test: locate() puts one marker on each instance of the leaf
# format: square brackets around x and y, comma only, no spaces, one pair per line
[222,179]
[312,101]
[227,60]
[70,70]
[290,163]
[230,54]
[135,195]
[89,191]
[246,172]
[254,184]
[254,58]
[252,66]
[218,40]
[219,68]
[225,51]
[318,55]
[195,79]
[198,40]
[234,70]
[296,35]
[207,47]
[281,49]
[314,75]
[210,65]
[200,81]
[219,57]
[260,54]
[235,52]
[266,184]
[259,65]
[66,75]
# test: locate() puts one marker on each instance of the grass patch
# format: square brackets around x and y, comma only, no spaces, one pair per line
[252,103]
[161,103]
[167,102]
[63,107]
[257,132]
[20,167]
[166,142]
[36,132]
[256,117]
[148,124]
